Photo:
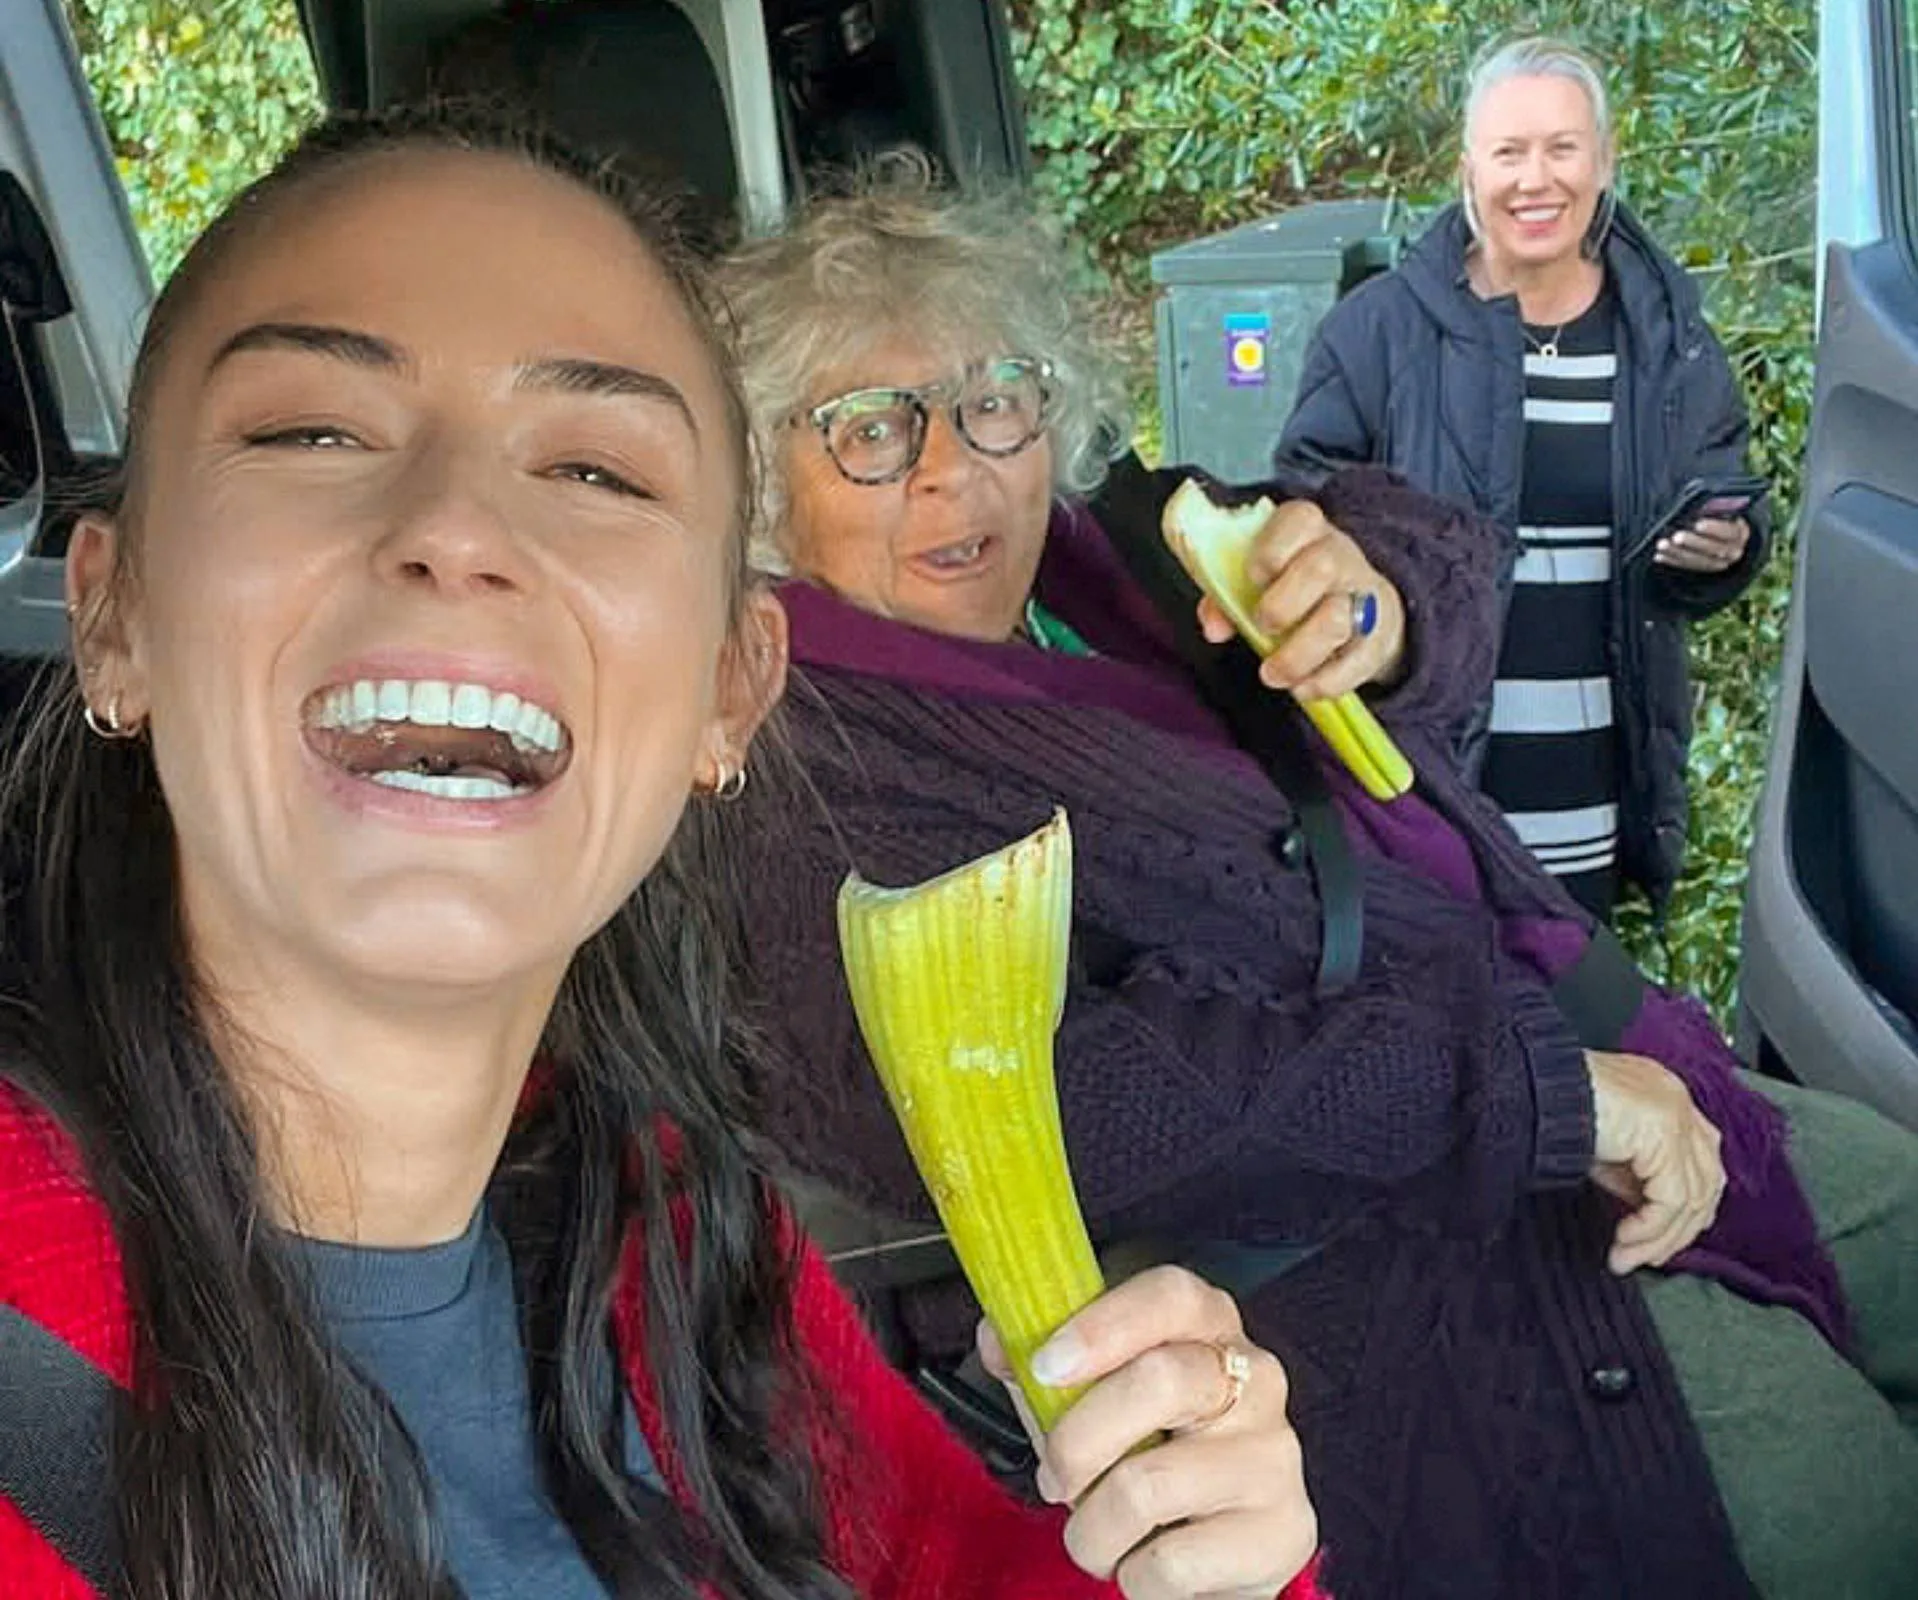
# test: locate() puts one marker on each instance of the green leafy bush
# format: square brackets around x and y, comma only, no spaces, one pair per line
[1158,120]
[199,96]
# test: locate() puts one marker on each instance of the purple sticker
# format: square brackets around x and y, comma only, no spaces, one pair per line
[1246,333]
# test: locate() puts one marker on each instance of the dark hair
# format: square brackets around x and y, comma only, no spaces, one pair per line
[254,1459]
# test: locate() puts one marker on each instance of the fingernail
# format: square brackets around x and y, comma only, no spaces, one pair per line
[1056,1362]
[1046,1481]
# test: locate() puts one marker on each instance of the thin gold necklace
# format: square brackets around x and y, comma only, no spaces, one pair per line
[1549,349]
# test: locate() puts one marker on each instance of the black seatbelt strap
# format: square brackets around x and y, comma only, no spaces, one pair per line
[56,1422]
[1268,727]
[866,1249]
[1601,992]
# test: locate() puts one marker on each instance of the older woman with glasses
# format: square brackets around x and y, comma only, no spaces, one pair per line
[1558,1309]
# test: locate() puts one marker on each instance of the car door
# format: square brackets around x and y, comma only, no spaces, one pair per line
[74,285]
[1829,980]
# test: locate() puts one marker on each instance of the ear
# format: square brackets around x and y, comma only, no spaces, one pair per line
[106,652]
[752,676]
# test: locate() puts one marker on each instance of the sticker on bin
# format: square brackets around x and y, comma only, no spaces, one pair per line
[1246,333]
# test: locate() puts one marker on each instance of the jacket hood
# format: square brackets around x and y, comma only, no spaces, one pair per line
[1657,295]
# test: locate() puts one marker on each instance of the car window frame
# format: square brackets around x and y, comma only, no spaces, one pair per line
[1893,37]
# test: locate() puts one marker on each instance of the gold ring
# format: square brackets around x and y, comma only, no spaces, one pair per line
[1235,1366]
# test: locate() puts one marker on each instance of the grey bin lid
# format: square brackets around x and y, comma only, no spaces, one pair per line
[1316,243]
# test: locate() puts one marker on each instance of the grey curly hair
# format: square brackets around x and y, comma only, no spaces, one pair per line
[894,255]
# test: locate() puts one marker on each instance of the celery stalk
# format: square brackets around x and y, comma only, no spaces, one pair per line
[959,984]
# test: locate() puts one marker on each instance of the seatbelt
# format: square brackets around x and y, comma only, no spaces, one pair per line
[56,1422]
[867,1250]
[1269,727]
[1601,992]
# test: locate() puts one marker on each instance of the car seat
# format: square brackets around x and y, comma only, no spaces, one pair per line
[628,79]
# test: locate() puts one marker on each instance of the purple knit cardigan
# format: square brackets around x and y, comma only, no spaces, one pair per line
[1486,1410]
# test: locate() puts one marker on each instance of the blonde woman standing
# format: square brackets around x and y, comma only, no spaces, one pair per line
[1539,358]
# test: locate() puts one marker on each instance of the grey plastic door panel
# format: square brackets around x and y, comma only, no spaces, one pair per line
[51,140]
[1829,986]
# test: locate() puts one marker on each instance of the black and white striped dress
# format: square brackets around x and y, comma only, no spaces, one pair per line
[1552,763]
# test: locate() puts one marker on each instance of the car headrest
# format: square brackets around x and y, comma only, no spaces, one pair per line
[630,79]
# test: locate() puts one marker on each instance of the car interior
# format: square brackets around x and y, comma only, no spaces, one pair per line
[735,100]
[742,103]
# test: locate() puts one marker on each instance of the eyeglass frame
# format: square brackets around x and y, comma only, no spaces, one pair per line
[822,415]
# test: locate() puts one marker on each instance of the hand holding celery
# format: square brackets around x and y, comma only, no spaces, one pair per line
[1213,544]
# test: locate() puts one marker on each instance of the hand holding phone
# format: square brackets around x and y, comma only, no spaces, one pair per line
[1708,527]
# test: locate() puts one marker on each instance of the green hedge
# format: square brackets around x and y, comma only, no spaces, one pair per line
[199,96]
[1157,120]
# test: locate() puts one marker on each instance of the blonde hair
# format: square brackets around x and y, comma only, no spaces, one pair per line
[1538,56]
[893,255]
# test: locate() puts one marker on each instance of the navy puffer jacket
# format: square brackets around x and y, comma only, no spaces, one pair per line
[1415,372]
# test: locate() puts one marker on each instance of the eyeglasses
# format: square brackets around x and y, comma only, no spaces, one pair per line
[877,435]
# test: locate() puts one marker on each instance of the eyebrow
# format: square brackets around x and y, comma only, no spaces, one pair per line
[605,380]
[559,374]
[339,344]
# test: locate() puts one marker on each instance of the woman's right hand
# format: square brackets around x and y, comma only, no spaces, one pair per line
[1309,572]
[1218,1507]
[1655,1150]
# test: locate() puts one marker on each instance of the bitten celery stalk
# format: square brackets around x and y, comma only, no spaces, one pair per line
[1212,544]
[959,984]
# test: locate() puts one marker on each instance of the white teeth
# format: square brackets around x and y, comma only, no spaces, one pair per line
[395,697]
[448,788]
[434,703]
[472,706]
[958,555]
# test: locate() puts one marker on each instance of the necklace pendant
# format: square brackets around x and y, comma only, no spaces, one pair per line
[1549,349]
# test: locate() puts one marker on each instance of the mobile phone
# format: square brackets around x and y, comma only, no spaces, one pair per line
[1705,497]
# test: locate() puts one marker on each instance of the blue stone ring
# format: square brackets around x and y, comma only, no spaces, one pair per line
[1365,614]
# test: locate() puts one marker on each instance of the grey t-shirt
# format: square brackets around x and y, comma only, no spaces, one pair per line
[438,1330]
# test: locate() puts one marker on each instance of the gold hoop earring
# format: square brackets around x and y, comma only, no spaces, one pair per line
[731,785]
[109,727]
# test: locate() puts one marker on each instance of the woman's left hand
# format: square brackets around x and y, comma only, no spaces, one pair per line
[1219,1507]
[1712,544]
[1314,579]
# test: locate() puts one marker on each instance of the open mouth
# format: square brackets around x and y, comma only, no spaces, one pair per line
[1538,216]
[957,559]
[454,741]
